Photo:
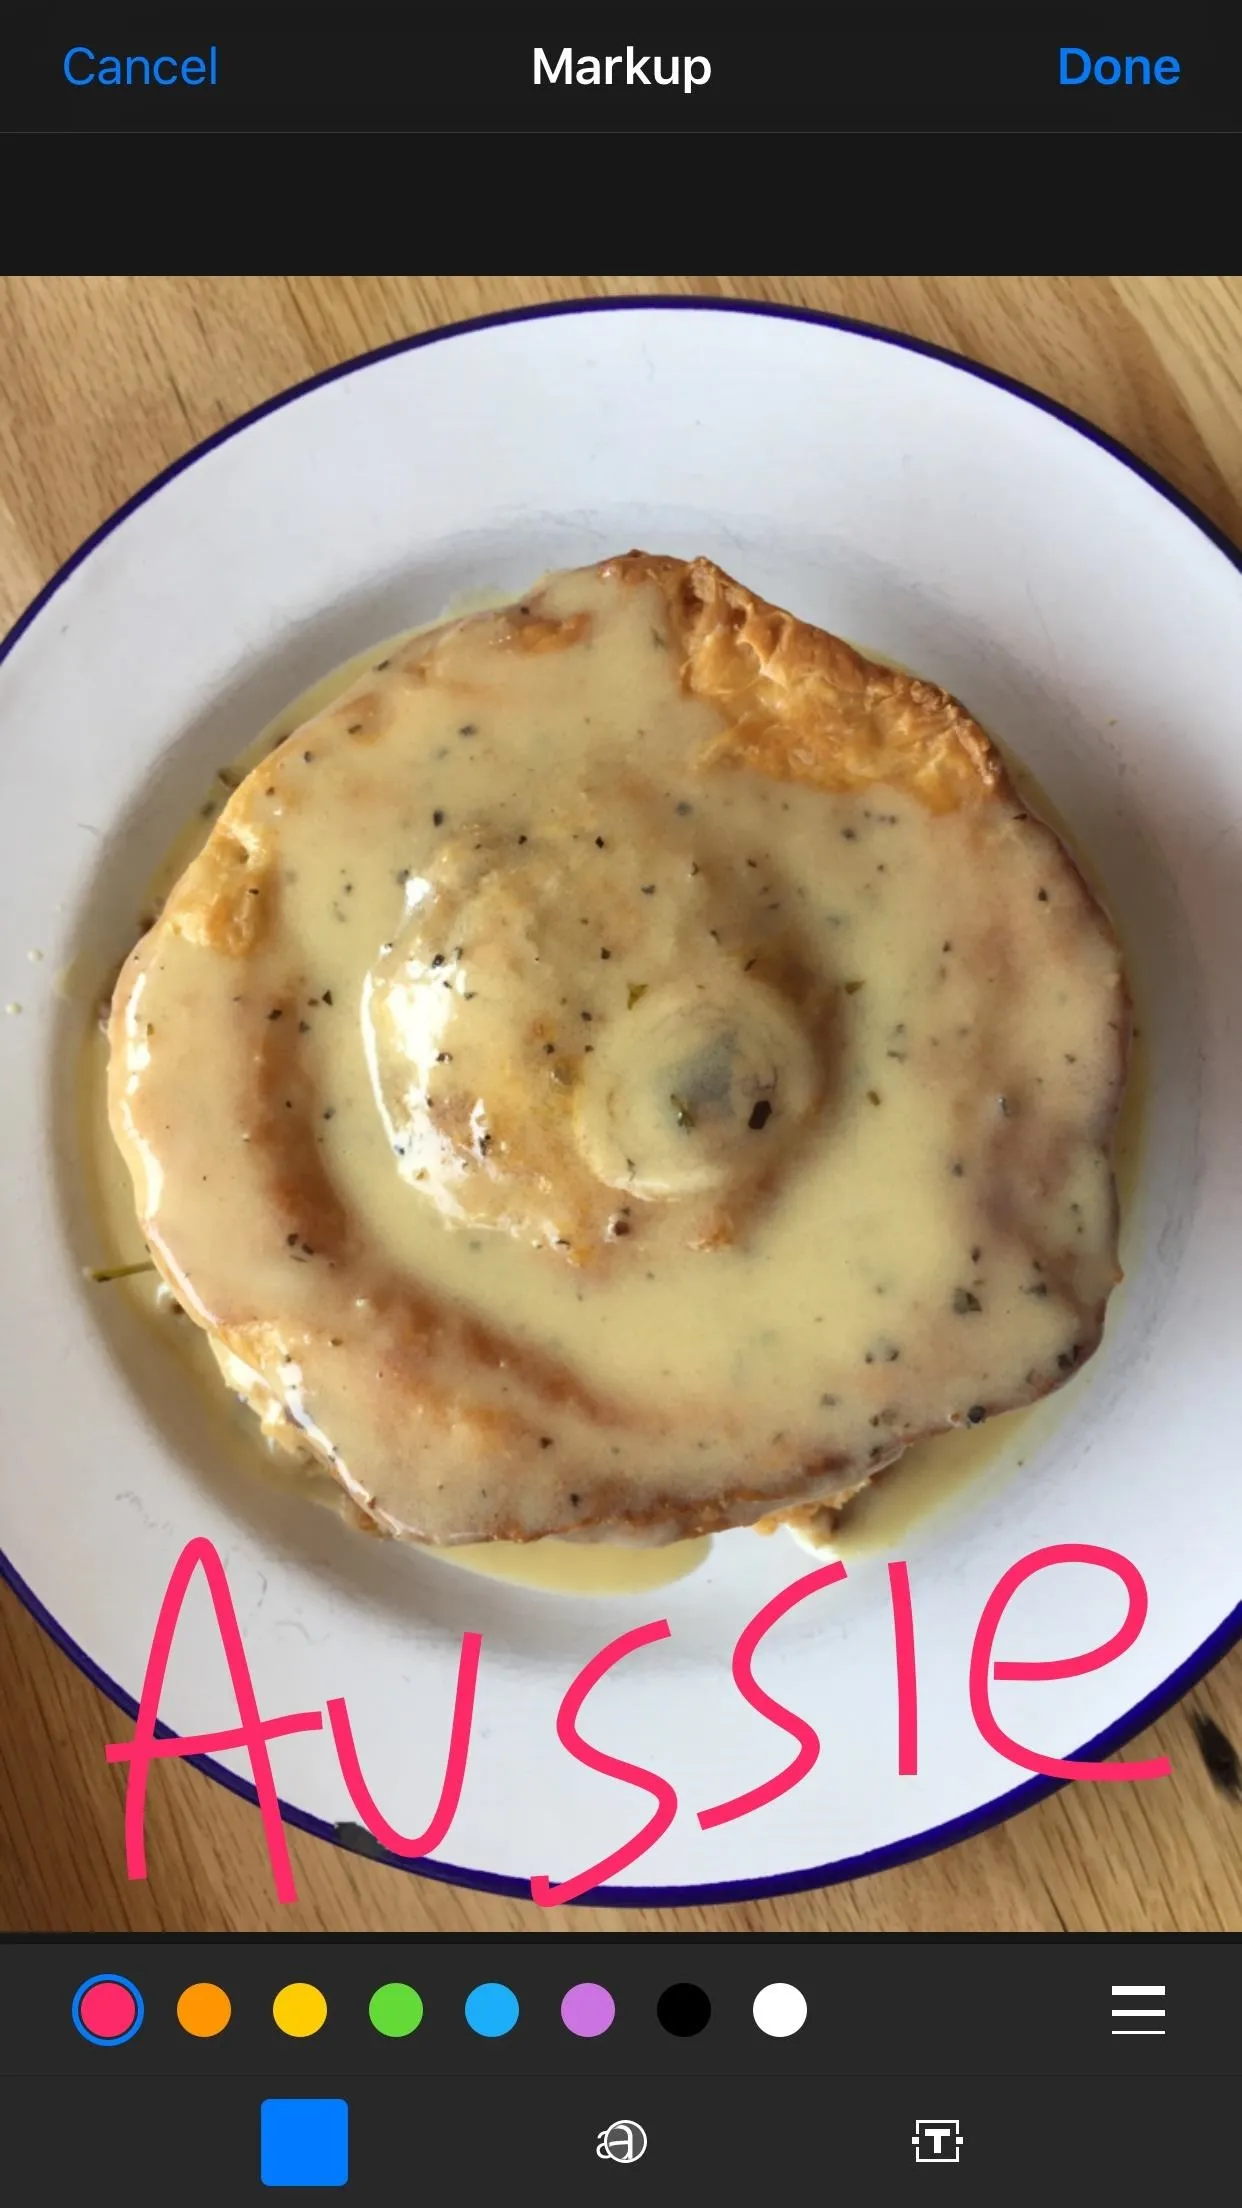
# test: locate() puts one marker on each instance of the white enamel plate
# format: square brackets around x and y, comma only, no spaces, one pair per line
[931,512]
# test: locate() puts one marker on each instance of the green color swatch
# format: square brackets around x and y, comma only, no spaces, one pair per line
[395,2010]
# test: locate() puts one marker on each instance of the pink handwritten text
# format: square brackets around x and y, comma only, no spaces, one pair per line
[253,1732]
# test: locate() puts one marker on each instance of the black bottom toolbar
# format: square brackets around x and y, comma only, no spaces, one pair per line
[219,2069]
[632,2134]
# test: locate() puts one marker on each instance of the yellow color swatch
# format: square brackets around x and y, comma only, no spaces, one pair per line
[299,2011]
[204,2010]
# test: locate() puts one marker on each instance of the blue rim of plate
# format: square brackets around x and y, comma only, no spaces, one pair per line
[1002,1806]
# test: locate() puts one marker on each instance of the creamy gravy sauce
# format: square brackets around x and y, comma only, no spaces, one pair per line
[556,1567]
[861,883]
[580,1567]
[936,1472]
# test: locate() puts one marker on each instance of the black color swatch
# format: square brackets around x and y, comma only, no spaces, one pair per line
[683,2010]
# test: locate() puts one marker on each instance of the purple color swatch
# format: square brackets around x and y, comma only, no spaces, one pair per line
[588,2010]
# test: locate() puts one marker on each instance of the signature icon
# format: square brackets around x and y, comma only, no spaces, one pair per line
[623,2142]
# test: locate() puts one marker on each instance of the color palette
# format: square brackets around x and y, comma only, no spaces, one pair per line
[492,2010]
[203,2010]
[780,2011]
[684,2010]
[107,2010]
[395,2010]
[299,2011]
[587,2010]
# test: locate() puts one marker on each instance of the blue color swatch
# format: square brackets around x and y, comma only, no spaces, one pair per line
[304,2143]
[491,2011]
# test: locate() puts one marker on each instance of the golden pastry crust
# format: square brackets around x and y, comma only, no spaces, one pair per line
[461,1428]
[803,706]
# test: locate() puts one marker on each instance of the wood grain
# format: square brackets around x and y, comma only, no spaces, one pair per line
[106,380]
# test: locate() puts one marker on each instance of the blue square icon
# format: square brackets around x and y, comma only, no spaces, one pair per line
[304,2142]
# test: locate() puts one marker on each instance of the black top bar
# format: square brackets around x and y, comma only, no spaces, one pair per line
[815,68]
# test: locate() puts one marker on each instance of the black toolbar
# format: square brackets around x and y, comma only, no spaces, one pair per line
[850,68]
[382,2065]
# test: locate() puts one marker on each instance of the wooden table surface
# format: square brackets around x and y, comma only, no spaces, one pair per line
[107,379]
